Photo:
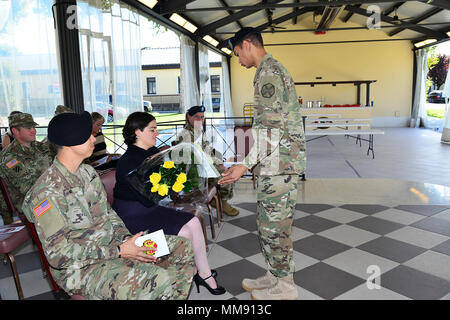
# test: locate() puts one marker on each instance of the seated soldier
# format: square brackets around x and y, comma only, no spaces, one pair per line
[87,245]
[192,132]
[22,161]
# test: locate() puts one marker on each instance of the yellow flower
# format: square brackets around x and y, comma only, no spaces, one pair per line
[155,188]
[177,186]
[163,190]
[155,178]
[168,164]
[182,178]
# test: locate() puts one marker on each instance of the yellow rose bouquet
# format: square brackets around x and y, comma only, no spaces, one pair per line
[176,175]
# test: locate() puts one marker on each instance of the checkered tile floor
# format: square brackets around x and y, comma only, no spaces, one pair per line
[334,249]
[337,249]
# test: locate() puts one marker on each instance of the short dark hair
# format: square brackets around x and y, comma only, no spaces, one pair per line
[96,116]
[136,120]
[250,34]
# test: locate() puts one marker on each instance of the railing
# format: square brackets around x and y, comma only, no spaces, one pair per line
[168,130]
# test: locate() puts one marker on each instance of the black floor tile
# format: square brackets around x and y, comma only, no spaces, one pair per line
[365,208]
[25,263]
[415,284]
[318,247]
[244,246]
[248,223]
[444,248]
[376,225]
[230,276]
[425,210]
[249,206]
[312,207]
[326,281]
[436,225]
[392,249]
[314,224]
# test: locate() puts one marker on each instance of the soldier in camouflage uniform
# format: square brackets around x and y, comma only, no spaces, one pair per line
[88,247]
[192,133]
[22,161]
[277,158]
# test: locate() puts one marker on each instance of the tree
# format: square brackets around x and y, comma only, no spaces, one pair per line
[438,71]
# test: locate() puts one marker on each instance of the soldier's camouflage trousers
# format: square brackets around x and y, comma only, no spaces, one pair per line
[277,196]
[122,279]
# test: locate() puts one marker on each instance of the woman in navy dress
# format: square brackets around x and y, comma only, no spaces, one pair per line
[139,213]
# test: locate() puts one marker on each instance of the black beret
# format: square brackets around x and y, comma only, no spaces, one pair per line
[193,110]
[70,129]
[240,36]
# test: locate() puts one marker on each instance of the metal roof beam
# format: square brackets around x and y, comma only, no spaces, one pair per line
[428,32]
[277,21]
[230,12]
[275,5]
[444,4]
[210,28]
[426,15]
[393,8]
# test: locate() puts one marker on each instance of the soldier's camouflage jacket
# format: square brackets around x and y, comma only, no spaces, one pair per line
[280,147]
[21,166]
[74,221]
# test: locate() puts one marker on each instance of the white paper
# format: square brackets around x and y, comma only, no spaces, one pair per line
[10,229]
[159,238]
[100,161]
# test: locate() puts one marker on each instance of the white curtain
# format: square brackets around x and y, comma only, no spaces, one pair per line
[446,125]
[29,76]
[189,92]
[205,82]
[225,93]
[110,58]
[419,111]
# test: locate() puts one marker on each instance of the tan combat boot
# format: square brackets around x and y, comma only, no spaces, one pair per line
[228,209]
[285,289]
[266,281]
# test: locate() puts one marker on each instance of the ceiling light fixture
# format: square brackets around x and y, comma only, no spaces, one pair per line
[179,20]
[424,43]
[211,40]
[226,50]
[149,3]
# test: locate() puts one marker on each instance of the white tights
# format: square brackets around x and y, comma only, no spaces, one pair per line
[193,231]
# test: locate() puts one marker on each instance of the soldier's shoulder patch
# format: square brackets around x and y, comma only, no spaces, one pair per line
[42,208]
[12,163]
[268,90]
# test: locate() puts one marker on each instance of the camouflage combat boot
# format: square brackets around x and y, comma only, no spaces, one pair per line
[226,207]
[285,289]
[266,281]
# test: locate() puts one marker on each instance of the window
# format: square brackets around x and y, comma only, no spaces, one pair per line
[151,85]
[215,83]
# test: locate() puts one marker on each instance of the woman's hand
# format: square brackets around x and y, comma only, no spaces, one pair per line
[129,250]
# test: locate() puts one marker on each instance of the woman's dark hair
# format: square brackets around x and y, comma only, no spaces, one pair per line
[136,120]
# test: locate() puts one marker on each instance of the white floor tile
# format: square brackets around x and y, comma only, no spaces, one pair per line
[348,235]
[432,262]
[362,292]
[399,216]
[340,215]
[357,262]
[418,237]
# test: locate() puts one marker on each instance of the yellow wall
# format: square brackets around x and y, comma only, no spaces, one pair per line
[390,63]
[166,80]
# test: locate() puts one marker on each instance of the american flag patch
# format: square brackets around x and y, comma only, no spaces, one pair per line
[42,208]
[11,163]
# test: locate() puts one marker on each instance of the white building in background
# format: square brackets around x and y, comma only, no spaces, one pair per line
[161,78]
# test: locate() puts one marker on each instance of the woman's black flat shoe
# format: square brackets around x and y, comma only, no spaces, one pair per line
[199,281]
